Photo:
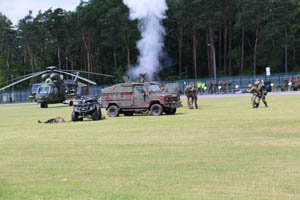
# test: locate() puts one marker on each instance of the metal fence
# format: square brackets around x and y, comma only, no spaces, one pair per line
[15,96]
[238,83]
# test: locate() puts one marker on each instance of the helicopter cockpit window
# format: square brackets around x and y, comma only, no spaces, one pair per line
[44,90]
[34,88]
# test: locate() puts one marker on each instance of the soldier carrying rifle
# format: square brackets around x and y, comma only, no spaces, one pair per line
[253,90]
[191,94]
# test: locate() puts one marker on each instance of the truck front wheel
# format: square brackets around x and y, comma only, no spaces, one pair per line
[156,109]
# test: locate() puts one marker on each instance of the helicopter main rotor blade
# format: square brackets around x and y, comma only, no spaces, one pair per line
[91,73]
[19,77]
[84,79]
[24,79]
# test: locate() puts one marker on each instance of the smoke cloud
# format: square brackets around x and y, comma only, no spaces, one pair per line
[149,14]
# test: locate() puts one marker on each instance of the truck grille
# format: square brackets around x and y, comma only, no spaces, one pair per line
[171,99]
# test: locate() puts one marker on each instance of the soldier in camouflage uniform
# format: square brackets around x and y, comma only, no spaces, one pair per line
[191,94]
[53,120]
[253,90]
[261,93]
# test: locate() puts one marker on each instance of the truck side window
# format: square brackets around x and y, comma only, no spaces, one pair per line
[138,89]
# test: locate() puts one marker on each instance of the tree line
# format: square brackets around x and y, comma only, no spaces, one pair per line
[204,38]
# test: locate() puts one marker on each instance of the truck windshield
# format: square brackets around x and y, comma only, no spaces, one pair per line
[153,88]
[44,90]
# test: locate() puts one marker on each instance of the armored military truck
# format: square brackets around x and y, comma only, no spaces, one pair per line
[129,98]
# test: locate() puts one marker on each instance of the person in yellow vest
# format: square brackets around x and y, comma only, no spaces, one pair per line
[203,88]
[199,87]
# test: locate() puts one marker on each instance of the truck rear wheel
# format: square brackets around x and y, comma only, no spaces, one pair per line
[156,109]
[113,111]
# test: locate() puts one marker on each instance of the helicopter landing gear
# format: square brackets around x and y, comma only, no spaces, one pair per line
[44,105]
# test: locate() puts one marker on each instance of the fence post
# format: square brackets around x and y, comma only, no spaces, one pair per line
[241,83]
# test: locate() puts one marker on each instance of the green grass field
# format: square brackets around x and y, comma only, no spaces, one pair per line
[224,150]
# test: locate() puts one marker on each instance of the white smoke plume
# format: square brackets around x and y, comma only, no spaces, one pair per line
[149,14]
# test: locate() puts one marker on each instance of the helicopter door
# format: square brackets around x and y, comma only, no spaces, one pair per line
[139,97]
[54,91]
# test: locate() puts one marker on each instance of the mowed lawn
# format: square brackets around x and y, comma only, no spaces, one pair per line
[223,150]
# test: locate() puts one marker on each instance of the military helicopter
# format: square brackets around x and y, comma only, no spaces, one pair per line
[54,89]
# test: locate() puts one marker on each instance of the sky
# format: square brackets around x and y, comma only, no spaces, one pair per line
[18,9]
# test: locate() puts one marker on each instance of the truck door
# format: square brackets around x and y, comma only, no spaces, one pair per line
[140,97]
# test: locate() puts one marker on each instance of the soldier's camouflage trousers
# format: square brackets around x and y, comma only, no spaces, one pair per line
[263,99]
[195,100]
[190,101]
[254,101]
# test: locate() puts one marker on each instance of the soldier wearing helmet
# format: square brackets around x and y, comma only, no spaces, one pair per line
[191,94]
[262,92]
[253,90]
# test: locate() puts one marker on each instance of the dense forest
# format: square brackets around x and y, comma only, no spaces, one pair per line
[232,36]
